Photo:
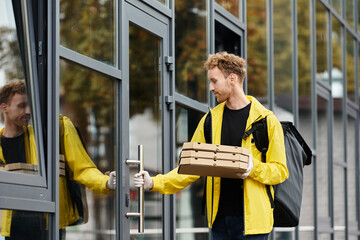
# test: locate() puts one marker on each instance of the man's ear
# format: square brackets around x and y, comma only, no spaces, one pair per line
[3,107]
[234,78]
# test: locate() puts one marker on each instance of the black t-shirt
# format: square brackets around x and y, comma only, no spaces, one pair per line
[231,193]
[23,224]
[14,149]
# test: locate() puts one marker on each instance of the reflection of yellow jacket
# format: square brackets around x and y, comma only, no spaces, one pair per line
[81,168]
[258,213]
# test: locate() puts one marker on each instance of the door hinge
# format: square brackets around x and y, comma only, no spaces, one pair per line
[169,100]
[169,61]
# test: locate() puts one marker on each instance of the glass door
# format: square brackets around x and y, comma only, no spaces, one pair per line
[145,120]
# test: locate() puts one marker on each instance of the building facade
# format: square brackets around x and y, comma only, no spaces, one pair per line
[129,74]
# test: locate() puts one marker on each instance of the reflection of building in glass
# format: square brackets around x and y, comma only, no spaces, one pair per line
[337,82]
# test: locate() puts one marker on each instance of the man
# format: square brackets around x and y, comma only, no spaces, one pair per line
[236,208]
[18,145]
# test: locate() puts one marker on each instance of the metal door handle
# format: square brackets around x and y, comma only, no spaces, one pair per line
[139,214]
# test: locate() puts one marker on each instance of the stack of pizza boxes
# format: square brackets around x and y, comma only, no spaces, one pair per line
[213,160]
[21,168]
[31,168]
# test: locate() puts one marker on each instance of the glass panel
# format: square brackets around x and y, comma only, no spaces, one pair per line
[191,49]
[226,40]
[18,224]
[324,236]
[352,179]
[336,4]
[18,145]
[257,74]
[350,66]
[339,235]
[305,126]
[322,157]
[307,204]
[88,27]
[305,122]
[87,98]
[349,12]
[337,86]
[321,43]
[188,201]
[232,6]
[145,119]
[338,152]
[282,60]
[306,235]
[304,71]
[339,198]
[284,236]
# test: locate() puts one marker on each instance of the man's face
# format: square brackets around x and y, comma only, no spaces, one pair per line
[17,110]
[219,85]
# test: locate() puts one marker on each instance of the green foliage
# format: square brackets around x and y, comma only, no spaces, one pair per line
[191,48]
[10,58]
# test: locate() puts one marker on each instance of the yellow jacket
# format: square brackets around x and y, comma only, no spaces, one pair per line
[258,213]
[81,168]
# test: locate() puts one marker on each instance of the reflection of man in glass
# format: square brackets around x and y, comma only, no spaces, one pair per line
[18,145]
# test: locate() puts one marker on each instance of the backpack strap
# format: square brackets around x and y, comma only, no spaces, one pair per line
[260,135]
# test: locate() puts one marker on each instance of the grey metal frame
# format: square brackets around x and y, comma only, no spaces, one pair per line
[166,15]
[150,20]
[22,191]
[10,178]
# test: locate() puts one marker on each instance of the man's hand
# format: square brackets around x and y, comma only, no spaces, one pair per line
[250,167]
[143,178]
[111,183]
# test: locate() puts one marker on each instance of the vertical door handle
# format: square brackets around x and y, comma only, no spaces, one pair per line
[139,214]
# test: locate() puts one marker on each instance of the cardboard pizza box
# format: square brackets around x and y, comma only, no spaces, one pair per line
[62,169]
[21,168]
[213,160]
[214,148]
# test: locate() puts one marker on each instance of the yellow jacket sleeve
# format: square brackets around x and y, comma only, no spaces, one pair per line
[173,182]
[82,168]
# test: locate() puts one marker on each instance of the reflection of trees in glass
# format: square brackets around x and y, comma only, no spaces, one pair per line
[10,58]
[336,40]
[257,76]
[191,48]
[87,98]
[321,38]
[88,27]
[350,65]
[349,12]
[304,55]
[144,57]
[231,5]
[282,28]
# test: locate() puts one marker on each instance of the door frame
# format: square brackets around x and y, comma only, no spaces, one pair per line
[158,25]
